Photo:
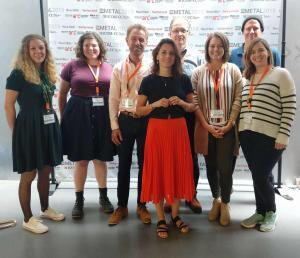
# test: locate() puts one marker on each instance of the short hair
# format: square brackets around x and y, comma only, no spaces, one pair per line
[250,68]
[177,66]
[24,62]
[177,18]
[136,26]
[90,35]
[225,44]
[253,17]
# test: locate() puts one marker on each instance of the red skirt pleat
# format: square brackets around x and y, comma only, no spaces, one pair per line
[168,166]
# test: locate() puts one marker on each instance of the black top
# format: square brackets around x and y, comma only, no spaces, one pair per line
[156,87]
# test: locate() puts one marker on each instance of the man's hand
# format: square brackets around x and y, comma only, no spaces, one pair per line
[116,136]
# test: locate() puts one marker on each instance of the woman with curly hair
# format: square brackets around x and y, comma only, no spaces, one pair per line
[85,124]
[36,135]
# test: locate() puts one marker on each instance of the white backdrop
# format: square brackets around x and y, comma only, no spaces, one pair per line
[68,19]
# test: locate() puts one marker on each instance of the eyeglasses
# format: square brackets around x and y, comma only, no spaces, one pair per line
[177,31]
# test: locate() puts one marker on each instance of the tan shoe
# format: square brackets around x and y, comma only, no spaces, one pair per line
[143,214]
[214,212]
[225,214]
[119,214]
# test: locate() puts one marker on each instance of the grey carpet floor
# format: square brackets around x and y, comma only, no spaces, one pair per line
[92,237]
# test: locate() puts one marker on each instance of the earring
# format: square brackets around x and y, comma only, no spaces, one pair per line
[157,62]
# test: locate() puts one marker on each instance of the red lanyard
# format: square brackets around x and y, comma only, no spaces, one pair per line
[252,85]
[129,77]
[96,76]
[218,81]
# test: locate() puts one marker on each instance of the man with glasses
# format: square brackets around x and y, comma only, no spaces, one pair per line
[179,32]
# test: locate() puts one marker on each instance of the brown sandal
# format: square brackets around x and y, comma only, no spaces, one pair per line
[180,225]
[162,229]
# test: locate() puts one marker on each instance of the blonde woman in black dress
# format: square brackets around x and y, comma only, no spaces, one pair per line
[36,135]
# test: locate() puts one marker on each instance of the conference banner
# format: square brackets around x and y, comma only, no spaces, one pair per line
[68,19]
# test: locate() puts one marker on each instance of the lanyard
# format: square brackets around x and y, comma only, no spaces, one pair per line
[252,85]
[216,82]
[96,76]
[48,91]
[129,77]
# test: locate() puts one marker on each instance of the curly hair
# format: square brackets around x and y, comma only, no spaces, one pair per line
[90,35]
[177,66]
[225,44]
[24,62]
[250,68]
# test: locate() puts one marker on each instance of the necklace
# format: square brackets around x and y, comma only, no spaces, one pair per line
[164,80]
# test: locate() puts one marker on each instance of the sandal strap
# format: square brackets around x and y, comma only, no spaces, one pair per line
[162,226]
[181,224]
[161,222]
[174,220]
[161,229]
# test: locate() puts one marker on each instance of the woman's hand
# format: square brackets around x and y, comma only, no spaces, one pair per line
[176,101]
[214,131]
[279,146]
[161,103]
[224,129]
[187,106]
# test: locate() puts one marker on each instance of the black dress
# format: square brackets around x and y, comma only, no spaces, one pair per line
[34,143]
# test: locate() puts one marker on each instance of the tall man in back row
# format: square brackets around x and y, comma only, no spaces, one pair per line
[127,127]
[179,32]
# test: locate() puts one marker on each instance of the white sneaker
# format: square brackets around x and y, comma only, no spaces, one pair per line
[52,214]
[34,225]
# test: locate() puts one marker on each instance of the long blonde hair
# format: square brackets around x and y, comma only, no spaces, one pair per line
[24,63]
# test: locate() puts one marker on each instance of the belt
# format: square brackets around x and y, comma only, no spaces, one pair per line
[131,114]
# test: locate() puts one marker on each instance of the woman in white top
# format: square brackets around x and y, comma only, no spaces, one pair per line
[268,109]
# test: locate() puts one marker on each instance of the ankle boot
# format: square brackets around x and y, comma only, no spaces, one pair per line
[214,212]
[225,214]
[104,201]
[77,212]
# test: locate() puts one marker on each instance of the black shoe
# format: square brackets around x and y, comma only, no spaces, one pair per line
[105,204]
[77,212]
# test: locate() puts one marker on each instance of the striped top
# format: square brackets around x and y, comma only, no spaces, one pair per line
[229,92]
[273,106]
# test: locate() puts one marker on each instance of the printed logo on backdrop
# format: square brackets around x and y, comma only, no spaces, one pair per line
[69,19]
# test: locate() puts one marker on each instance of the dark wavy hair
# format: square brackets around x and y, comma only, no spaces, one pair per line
[90,35]
[225,44]
[250,68]
[177,66]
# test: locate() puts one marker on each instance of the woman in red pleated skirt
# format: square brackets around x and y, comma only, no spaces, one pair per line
[164,96]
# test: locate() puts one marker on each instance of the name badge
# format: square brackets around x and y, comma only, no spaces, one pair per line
[127,103]
[98,102]
[49,119]
[248,118]
[216,113]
